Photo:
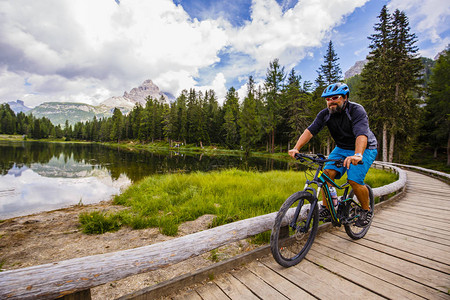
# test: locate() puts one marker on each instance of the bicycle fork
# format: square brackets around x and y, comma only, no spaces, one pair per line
[312,205]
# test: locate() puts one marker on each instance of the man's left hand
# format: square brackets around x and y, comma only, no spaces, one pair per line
[352,160]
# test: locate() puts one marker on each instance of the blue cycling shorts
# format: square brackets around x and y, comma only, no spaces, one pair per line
[355,173]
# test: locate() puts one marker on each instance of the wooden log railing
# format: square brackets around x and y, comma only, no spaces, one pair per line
[78,275]
[440,175]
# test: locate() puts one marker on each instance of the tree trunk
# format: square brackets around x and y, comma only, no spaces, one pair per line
[391,147]
[328,145]
[273,141]
[385,152]
[448,150]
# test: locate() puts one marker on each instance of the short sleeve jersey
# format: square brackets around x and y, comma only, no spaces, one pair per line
[345,126]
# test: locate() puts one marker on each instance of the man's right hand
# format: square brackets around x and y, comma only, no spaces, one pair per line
[292,152]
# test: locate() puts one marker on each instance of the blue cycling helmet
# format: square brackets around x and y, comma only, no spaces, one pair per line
[336,89]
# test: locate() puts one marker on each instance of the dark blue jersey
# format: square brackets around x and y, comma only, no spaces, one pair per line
[345,126]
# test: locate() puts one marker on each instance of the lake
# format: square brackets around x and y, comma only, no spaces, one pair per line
[38,176]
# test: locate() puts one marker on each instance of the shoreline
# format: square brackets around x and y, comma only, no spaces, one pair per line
[55,235]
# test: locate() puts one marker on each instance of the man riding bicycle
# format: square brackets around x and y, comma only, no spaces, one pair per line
[349,126]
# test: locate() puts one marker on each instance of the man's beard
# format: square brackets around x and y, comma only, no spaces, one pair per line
[336,108]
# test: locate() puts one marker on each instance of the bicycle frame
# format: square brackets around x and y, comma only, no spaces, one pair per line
[322,181]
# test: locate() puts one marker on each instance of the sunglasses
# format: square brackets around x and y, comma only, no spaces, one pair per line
[334,98]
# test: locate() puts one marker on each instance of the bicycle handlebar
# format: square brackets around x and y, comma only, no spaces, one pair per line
[320,159]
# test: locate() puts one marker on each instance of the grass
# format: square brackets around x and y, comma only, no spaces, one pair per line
[166,201]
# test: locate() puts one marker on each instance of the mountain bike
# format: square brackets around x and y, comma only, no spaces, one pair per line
[297,221]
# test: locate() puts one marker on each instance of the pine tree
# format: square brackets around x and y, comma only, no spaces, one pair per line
[213,116]
[330,71]
[376,78]
[273,85]
[388,80]
[251,129]
[297,109]
[437,117]
[231,118]
[116,130]
[406,76]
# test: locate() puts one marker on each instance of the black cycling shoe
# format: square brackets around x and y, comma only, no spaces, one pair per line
[364,218]
[324,214]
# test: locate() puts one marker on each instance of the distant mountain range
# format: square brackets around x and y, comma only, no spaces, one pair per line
[59,112]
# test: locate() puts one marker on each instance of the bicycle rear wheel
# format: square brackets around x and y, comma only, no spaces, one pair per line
[289,242]
[352,211]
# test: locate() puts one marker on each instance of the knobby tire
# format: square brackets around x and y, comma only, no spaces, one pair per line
[290,246]
[353,231]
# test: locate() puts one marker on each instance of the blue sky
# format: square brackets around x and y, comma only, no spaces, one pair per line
[87,51]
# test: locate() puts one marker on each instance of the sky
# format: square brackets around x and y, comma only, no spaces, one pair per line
[87,51]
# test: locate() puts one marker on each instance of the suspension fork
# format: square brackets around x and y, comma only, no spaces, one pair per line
[305,228]
[312,205]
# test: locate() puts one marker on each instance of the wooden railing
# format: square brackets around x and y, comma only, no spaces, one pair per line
[440,175]
[78,275]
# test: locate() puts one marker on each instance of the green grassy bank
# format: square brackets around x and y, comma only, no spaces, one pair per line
[166,201]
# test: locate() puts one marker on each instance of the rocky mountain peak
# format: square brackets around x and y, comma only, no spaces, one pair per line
[140,93]
[18,106]
[355,69]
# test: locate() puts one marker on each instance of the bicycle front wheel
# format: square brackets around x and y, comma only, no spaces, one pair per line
[292,236]
[352,211]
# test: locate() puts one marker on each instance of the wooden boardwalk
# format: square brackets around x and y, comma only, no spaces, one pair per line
[405,255]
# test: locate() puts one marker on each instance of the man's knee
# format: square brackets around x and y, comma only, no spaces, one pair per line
[354,184]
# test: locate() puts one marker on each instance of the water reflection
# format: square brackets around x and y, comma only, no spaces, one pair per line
[42,176]
[24,191]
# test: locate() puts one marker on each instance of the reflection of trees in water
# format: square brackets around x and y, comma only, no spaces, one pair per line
[134,164]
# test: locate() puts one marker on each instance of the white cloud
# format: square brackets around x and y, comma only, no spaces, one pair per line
[99,45]
[430,19]
[86,50]
[288,35]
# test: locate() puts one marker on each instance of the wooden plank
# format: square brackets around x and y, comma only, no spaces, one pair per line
[427,184]
[414,225]
[437,193]
[412,233]
[409,243]
[234,288]
[427,201]
[284,286]
[421,215]
[188,295]
[257,285]
[387,249]
[319,282]
[434,212]
[210,291]
[443,206]
[416,228]
[429,277]
[361,273]
[432,208]
[379,271]
[409,218]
